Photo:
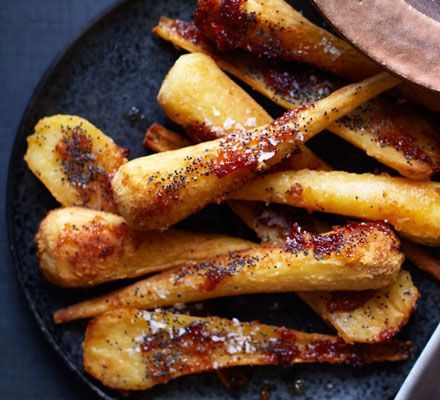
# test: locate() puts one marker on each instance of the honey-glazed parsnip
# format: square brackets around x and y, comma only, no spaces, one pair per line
[159,138]
[368,316]
[157,191]
[198,78]
[199,96]
[357,256]
[403,137]
[129,349]
[412,207]
[365,316]
[273,29]
[422,259]
[79,247]
[75,161]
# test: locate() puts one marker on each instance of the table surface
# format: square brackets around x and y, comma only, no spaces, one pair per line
[32,33]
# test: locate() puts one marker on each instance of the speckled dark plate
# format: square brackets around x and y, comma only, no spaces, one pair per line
[115,65]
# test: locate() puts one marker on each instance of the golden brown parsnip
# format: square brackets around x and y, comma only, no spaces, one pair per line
[366,316]
[273,29]
[198,79]
[422,259]
[158,138]
[75,161]
[129,349]
[157,191]
[79,247]
[369,316]
[401,136]
[357,256]
[199,96]
[412,207]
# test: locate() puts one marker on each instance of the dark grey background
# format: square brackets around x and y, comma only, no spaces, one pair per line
[32,33]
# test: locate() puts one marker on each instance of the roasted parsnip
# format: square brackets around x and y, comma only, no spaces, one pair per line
[412,207]
[79,247]
[208,104]
[157,191]
[75,161]
[357,256]
[422,259]
[365,316]
[129,349]
[159,138]
[402,136]
[273,29]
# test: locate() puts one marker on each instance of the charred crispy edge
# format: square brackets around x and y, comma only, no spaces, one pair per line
[291,346]
[158,138]
[415,168]
[421,258]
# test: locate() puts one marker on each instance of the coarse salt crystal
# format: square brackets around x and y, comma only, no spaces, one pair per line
[155,326]
[229,123]
[251,121]
[265,155]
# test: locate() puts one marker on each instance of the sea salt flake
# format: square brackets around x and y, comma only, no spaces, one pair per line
[133,350]
[229,123]
[265,155]
[156,326]
[251,121]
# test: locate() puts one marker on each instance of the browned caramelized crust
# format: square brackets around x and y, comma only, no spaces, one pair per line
[364,316]
[158,191]
[357,256]
[401,136]
[132,350]
[273,29]
[79,247]
[75,161]
[199,96]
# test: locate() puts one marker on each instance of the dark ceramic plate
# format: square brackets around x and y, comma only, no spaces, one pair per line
[114,66]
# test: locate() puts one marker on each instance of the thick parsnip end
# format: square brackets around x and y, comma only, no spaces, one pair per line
[75,161]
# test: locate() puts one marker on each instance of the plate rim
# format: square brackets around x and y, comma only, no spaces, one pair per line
[62,54]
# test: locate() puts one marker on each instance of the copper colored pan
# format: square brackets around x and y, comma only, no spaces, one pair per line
[402,36]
